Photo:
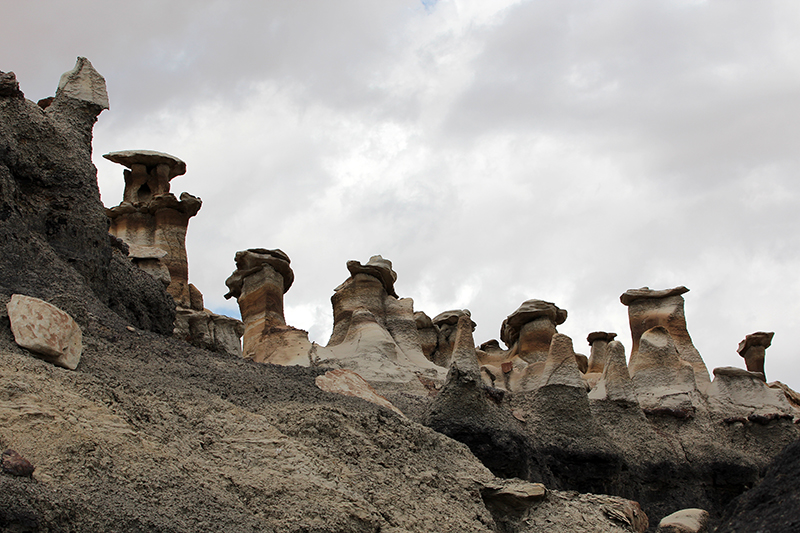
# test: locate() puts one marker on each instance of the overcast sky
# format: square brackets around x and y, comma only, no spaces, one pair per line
[493,151]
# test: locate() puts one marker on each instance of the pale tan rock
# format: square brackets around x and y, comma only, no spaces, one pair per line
[791,395]
[615,384]
[513,494]
[567,511]
[218,333]
[378,267]
[45,330]
[753,349]
[648,308]
[195,298]
[598,340]
[347,382]
[83,83]
[560,367]
[151,219]
[736,392]
[529,329]
[685,521]
[446,325]
[662,379]
[428,334]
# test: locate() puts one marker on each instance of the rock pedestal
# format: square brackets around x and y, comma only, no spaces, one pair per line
[753,348]
[259,282]
[531,328]
[598,340]
[648,308]
[152,221]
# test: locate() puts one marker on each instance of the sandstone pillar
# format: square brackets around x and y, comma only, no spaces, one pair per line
[259,282]
[531,328]
[598,356]
[152,221]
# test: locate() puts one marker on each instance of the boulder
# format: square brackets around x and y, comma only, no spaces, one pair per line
[648,308]
[685,521]
[753,349]
[16,465]
[45,330]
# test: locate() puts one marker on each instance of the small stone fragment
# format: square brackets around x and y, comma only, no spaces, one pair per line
[16,465]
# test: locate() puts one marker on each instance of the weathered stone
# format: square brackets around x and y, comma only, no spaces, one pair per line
[583,362]
[532,326]
[9,86]
[208,330]
[561,367]
[740,393]
[428,334]
[598,341]
[150,218]
[615,384]
[685,521]
[662,379]
[446,326]
[378,267]
[347,382]
[513,494]
[83,83]
[753,348]
[195,298]
[648,308]
[16,465]
[45,330]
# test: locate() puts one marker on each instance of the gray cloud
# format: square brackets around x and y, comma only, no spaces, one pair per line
[558,150]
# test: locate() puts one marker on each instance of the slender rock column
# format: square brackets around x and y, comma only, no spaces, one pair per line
[753,348]
[259,282]
[598,356]
[531,328]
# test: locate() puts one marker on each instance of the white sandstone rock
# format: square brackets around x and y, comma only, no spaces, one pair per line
[45,330]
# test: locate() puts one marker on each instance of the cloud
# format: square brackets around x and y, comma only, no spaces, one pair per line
[495,152]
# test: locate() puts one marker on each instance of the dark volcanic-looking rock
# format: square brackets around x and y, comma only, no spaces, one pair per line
[772,506]
[51,217]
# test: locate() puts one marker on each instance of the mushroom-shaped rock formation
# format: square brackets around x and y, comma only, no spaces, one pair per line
[446,327]
[598,340]
[529,329]
[662,379]
[753,348]
[615,384]
[259,282]
[648,308]
[152,220]
[377,334]
[739,393]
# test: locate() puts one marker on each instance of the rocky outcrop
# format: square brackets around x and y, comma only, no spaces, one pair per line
[347,382]
[53,221]
[45,330]
[615,384]
[648,308]
[753,349]
[152,221]
[445,326]
[685,521]
[737,394]
[203,328]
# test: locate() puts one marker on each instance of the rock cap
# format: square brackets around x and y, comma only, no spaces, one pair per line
[600,336]
[252,260]
[148,158]
[759,338]
[378,267]
[451,317]
[646,292]
[83,83]
[528,311]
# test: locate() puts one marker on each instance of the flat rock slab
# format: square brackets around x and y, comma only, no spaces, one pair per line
[45,330]
[347,382]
